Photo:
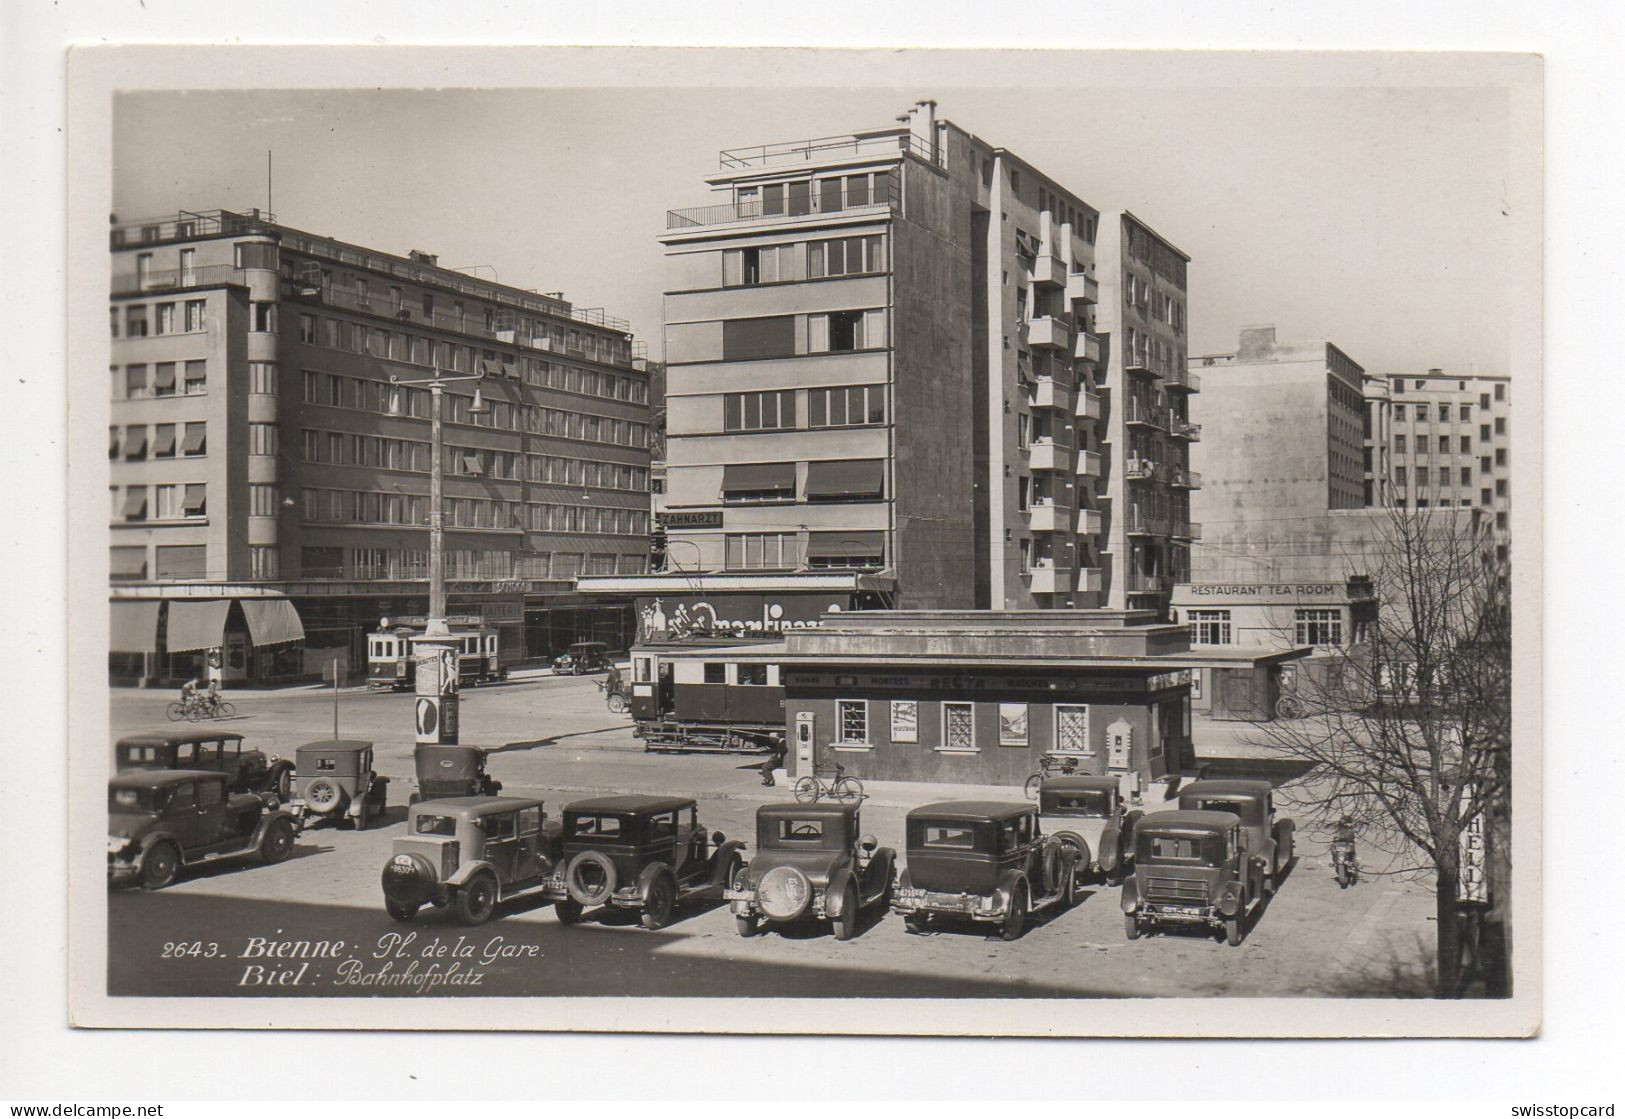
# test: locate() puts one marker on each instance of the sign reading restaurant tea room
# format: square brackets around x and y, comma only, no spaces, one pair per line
[1292,591]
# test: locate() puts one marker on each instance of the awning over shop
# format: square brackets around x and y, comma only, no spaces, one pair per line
[197,625]
[850,478]
[855,544]
[134,628]
[759,477]
[272,621]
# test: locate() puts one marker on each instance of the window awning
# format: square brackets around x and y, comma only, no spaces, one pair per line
[135,626]
[163,440]
[490,367]
[857,543]
[115,433]
[759,476]
[197,625]
[135,501]
[135,442]
[163,375]
[272,621]
[126,562]
[195,435]
[195,492]
[850,478]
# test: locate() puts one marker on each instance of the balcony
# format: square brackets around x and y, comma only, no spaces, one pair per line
[824,149]
[1150,584]
[1048,270]
[1190,530]
[1091,580]
[1182,379]
[1048,394]
[1089,464]
[1047,332]
[1142,414]
[1088,347]
[1139,363]
[1082,288]
[1046,516]
[1045,455]
[1088,406]
[1045,579]
[1185,479]
[177,279]
[1180,429]
[1139,523]
[1091,522]
[1141,470]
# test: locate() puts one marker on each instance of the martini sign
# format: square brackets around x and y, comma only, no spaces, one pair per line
[733,615]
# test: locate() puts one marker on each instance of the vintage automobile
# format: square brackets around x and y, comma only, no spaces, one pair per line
[1192,868]
[247,771]
[334,780]
[638,852]
[1087,813]
[812,861]
[452,771]
[988,861]
[162,820]
[1265,834]
[581,658]
[469,853]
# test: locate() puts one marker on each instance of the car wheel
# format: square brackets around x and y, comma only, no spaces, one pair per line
[578,670]
[324,796]
[400,910]
[567,910]
[477,899]
[747,924]
[846,925]
[1070,888]
[1015,921]
[1131,926]
[282,782]
[159,868]
[656,913]
[277,843]
[1232,930]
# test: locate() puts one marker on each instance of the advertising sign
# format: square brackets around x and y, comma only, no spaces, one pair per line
[666,618]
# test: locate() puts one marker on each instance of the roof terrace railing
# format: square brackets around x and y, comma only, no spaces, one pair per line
[824,147]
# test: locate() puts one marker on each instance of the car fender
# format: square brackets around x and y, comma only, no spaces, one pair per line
[266,819]
[465,871]
[835,891]
[719,861]
[151,839]
[1129,899]
[882,865]
[904,881]
[649,874]
[1285,832]
[1006,889]
[1085,857]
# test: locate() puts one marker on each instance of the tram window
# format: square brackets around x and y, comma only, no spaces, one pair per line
[753,674]
[640,670]
[716,673]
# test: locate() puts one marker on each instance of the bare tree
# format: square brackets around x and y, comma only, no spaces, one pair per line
[1407,729]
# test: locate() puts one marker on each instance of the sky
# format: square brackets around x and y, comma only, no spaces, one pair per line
[1372,217]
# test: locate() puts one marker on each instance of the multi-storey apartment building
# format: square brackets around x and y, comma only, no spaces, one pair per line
[260,450]
[1448,440]
[885,376]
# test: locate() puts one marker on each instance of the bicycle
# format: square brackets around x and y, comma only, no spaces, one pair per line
[196,708]
[1050,765]
[831,782]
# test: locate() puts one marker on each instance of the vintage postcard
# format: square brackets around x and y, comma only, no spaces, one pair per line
[768,541]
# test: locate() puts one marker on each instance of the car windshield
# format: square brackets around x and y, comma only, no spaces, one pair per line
[1243,808]
[1089,802]
[593,826]
[1191,850]
[133,800]
[956,837]
[797,833]
[437,825]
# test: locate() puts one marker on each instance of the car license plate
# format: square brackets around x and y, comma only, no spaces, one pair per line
[553,882]
[738,895]
[912,895]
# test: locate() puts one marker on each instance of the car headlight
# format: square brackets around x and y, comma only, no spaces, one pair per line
[117,843]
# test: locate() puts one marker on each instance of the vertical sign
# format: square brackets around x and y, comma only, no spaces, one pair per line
[1473,883]
[1120,745]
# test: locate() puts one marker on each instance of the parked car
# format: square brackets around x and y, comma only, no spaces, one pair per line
[1265,835]
[160,821]
[988,861]
[247,771]
[646,853]
[469,853]
[1192,867]
[811,860]
[1088,813]
[581,658]
[334,780]
[452,771]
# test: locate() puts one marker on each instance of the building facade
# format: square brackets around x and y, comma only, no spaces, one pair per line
[257,440]
[1448,438]
[883,356]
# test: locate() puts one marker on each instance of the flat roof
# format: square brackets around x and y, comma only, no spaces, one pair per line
[1158,663]
[971,810]
[1187,819]
[628,803]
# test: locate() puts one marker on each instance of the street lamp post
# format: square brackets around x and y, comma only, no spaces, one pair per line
[435,651]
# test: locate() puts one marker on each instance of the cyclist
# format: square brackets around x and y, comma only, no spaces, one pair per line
[189,694]
[1343,837]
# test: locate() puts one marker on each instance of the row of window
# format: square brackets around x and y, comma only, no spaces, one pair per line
[775,335]
[170,502]
[1310,626]
[805,260]
[183,440]
[826,194]
[141,381]
[379,397]
[779,551]
[398,345]
[1465,441]
[1423,477]
[334,506]
[776,410]
[330,562]
[339,448]
[186,317]
[1420,385]
[862,723]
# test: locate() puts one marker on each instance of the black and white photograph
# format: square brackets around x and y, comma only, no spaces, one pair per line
[1001,543]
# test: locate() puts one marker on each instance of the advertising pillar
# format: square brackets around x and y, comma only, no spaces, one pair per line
[436,678]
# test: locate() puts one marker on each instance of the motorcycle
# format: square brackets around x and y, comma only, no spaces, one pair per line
[1345,865]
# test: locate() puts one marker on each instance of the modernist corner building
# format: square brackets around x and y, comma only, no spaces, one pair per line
[269,486]
[907,362]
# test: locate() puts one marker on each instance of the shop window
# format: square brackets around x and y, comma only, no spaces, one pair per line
[958,726]
[1320,627]
[1072,728]
[852,722]
[1209,627]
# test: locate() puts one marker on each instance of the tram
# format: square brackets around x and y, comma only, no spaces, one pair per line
[390,662]
[711,695]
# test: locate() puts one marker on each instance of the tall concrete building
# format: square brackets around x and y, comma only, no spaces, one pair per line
[259,453]
[1448,439]
[886,377]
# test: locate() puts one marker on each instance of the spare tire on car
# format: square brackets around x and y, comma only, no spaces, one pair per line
[590,878]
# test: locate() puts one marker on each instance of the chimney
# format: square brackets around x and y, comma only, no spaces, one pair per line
[421,257]
[1434,372]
